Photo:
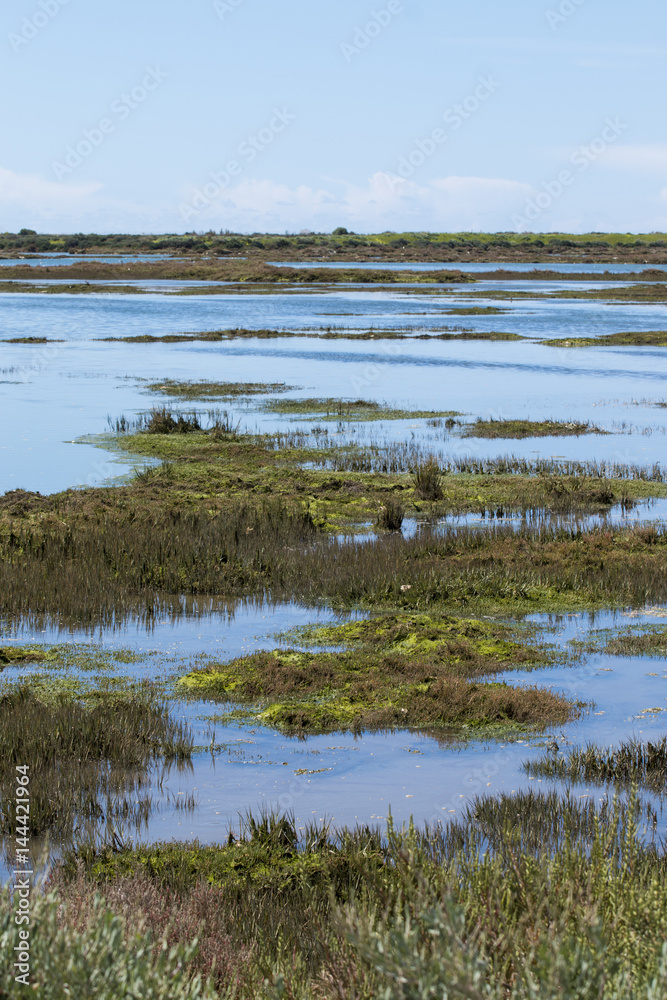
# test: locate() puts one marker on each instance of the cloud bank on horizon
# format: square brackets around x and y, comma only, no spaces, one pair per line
[248,116]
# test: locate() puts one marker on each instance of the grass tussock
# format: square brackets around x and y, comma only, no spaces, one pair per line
[415,671]
[84,759]
[427,479]
[524,897]
[161,420]
[391,515]
[529,429]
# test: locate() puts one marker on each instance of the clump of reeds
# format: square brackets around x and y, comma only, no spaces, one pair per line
[427,480]
[84,760]
[632,762]
[391,515]
[162,420]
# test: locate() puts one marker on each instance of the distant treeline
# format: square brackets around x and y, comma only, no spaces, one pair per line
[340,241]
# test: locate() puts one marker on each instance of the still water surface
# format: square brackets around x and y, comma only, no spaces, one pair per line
[51,395]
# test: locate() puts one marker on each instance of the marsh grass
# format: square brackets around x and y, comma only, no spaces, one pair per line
[652,338]
[352,410]
[322,333]
[213,390]
[400,457]
[632,763]
[231,516]
[528,896]
[638,291]
[229,271]
[88,762]
[645,640]
[32,340]
[475,311]
[95,565]
[529,428]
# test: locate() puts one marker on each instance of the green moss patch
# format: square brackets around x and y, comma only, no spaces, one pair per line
[10,655]
[407,670]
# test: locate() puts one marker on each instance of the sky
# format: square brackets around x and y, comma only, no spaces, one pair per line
[155,116]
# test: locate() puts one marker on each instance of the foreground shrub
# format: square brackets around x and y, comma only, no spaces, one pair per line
[96,963]
[530,896]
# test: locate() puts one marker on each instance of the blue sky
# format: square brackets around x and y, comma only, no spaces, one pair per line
[255,115]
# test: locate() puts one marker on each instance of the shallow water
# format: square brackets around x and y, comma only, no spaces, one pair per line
[474,266]
[359,779]
[51,395]
[55,393]
[60,260]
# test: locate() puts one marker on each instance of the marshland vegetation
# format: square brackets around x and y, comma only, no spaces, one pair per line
[232,514]
[343,245]
[407,670]
[533,895]
[524,896]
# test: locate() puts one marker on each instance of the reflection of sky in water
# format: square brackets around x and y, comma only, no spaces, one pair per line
[360,778]
[52,394]
[54,260]
[474,266]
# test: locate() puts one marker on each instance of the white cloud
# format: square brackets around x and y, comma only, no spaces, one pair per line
[31,194]
[385,202]
[648,157]
[28,200]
